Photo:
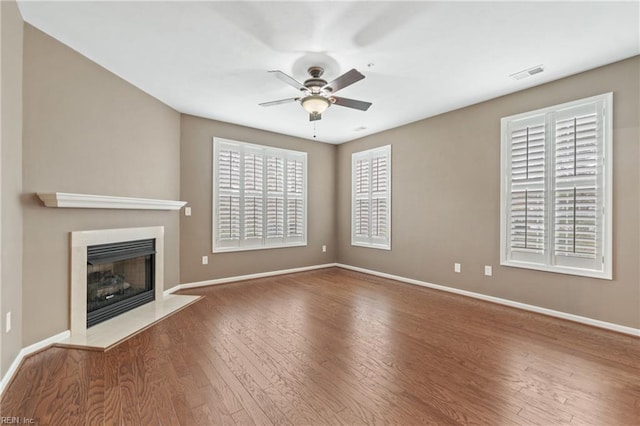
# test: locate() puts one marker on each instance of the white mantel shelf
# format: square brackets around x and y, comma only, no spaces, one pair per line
[90,201]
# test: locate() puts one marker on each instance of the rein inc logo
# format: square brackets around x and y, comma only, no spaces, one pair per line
[17,421]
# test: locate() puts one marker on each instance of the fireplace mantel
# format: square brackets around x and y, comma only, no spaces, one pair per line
[90,201]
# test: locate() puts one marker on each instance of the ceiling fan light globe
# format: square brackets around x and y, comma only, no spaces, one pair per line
[315,104]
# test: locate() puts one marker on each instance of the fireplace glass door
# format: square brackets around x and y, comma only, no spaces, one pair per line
[120,277]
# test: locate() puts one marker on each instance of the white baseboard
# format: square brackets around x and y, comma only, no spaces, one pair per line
[532,308]
[24,352]
[58,338]
[247,277]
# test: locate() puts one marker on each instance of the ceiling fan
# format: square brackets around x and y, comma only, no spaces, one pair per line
[317,94]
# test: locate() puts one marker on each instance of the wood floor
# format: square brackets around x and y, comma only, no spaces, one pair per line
[338,347]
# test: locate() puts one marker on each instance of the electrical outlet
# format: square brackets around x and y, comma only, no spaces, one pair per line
[187,211]
[324,248]
[488,271]
[205,260]
[8,322]
[456,267]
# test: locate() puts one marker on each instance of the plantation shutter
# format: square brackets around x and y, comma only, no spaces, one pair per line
[526,206]
[379,199]
[253,195]
[371,198]
[578,206]
[227,199]
[556,188]
[275,198]
[295,199]
[361,191]
[259,196]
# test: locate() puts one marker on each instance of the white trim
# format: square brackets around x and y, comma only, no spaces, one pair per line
[89,201]
[171,290]
[28,351]
[248,277]
[532,308]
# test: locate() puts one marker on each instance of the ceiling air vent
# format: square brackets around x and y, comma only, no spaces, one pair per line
[528,72]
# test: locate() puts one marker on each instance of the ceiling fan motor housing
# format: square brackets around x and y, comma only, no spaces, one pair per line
[315,72]
[315,83]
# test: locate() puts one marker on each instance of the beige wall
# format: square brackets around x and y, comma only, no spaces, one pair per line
[446,201]
[196,184]
[87,131]
[11,182]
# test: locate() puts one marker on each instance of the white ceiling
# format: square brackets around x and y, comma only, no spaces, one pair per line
[420,59]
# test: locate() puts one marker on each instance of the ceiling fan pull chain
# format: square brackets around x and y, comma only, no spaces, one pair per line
[314,129]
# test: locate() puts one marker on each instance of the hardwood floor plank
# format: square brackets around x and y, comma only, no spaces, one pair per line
[239,367]
[204,416]
[214,406]
[48,406]
[128,384]
[338,347]
[37,370]
[173,397]
[242,418]
[275,387]
[112,395]
[366,408]
[94,403]
[285,374]
[437,399]
[159,392]
[321,381]
[245,399]
[227,396]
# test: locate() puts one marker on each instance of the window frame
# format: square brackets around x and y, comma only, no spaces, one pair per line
[370,241]
[265,242]
[546,261]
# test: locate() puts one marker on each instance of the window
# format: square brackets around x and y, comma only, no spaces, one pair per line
[371,198]
[259,196]
[556,188]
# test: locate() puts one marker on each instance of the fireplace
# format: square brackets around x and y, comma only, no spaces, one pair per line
[120,277]
[114,271]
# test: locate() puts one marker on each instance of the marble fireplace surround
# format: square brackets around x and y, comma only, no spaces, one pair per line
[114,330]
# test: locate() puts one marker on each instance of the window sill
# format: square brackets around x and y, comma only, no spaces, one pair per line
[238,249]
[373,246]
[603,275]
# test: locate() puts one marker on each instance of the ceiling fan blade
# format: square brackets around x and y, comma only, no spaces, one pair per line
[315,117]
[288,79]
[281,101]
[351,103]
[344,80]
